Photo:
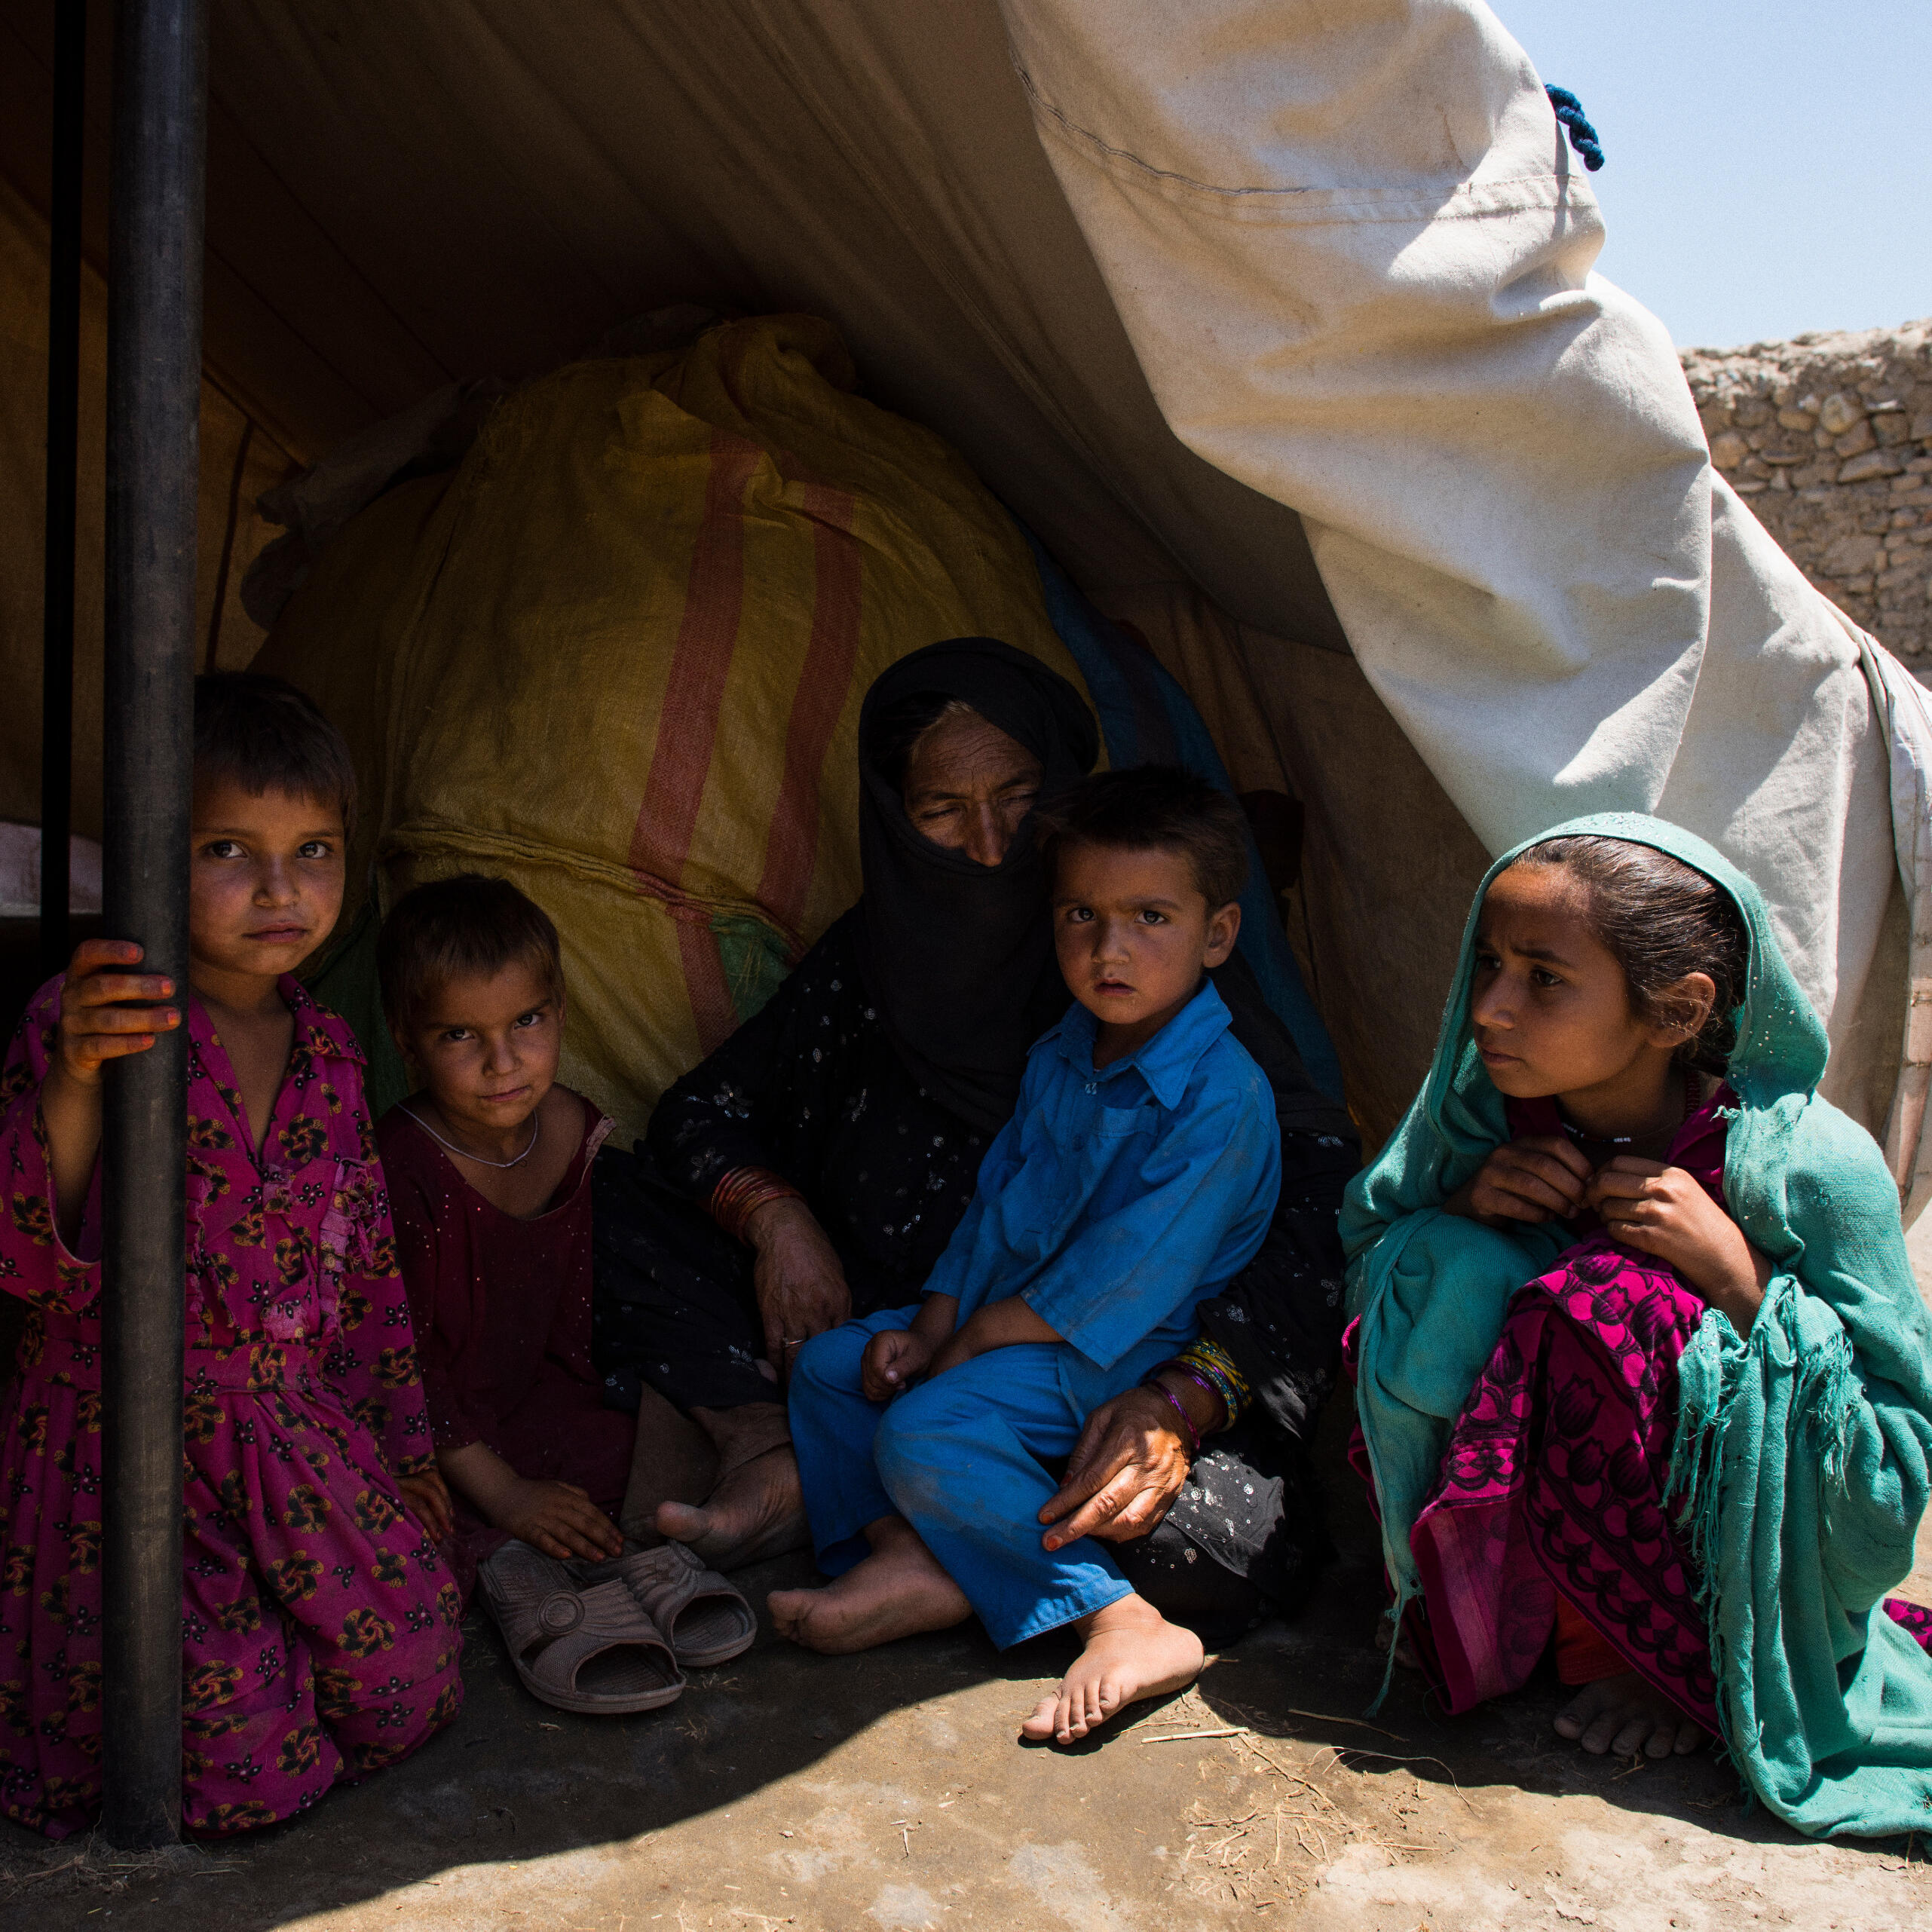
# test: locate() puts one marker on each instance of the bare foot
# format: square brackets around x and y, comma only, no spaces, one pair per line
[757,1511]
[1132,1652]
[757,1508]
[675,1460]
[1623,1714]
[899,1590]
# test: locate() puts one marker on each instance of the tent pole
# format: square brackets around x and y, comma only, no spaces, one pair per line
[153,380]
[63,415]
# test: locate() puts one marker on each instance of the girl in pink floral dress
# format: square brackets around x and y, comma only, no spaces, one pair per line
[319,1629]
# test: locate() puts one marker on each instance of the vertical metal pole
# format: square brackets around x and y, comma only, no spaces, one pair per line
[63,433]
[153,378]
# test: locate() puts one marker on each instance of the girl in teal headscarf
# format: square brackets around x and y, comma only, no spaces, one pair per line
[1640,1362]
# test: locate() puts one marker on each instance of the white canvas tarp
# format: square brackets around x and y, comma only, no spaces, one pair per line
[1355,259]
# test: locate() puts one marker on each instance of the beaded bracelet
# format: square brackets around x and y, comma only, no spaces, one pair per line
[742,1193]
[1152,1379]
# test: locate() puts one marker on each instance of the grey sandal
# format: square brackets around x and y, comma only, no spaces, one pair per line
[592,1649]
[705,1619]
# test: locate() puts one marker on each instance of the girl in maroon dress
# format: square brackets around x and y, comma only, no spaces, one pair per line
[488,1164]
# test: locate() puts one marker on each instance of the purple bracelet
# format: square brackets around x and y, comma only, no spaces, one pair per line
[1201,1382]
[1153,1381]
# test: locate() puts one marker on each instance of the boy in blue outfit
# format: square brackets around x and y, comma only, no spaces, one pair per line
[1137,1176]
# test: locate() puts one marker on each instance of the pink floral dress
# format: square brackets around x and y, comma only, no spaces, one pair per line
[318,1628]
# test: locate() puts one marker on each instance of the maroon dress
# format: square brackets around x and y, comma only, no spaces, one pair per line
[502,1313]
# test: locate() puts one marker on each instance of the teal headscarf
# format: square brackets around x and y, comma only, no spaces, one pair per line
[1801,1459]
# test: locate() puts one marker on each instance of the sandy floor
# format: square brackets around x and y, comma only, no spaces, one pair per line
[888,1792]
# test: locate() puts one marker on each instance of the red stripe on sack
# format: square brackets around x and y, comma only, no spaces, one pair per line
[700,662]
[792,844]
[705,985]
[688,729]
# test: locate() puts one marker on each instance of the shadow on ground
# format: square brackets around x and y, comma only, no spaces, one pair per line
[888,1790]
[513,1780]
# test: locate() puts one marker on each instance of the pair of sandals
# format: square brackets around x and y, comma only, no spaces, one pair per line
[615,1637]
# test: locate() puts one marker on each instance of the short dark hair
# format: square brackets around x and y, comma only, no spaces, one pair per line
[269,737]
[1660,918]
[469,925]
[1157,806]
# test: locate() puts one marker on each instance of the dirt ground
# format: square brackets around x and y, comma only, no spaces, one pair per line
[887,1792]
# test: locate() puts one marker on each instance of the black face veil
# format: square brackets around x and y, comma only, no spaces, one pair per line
[958,956]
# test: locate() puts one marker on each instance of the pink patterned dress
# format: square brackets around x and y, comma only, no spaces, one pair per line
[318,1628]
[1552,1496]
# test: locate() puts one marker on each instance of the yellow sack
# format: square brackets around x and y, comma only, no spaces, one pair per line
[617,658]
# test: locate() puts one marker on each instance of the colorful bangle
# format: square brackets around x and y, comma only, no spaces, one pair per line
[742,1193]
[1152,1380]
[1208,1387]
[1211,1364]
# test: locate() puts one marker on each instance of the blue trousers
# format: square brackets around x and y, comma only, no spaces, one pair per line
[959,1458]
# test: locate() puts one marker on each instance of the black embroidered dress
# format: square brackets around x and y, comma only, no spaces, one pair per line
[811,1088]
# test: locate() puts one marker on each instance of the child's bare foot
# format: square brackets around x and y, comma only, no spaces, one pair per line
[1132,1652]
[899,1590]
[1623,1714]
[757,1508]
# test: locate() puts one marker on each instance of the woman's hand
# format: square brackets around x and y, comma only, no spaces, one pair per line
[1665,1211]
[428,1497]
[1126,1469]
[557,1518]
[798,1279]
[894,1360]
[1541,1178]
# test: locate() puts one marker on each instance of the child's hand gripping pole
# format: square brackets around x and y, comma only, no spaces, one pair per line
[106,1013]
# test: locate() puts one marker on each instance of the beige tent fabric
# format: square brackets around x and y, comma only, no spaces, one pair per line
[1902,703]
[238,462]
[1387,865]
[1201,646]
[1356,267]
[513,191]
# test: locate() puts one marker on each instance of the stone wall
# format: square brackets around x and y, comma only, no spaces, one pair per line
[1829,439]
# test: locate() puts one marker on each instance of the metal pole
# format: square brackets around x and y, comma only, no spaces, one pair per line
[154,380]
[63,434]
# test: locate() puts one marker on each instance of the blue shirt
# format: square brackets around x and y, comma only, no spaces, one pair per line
[1116,1199]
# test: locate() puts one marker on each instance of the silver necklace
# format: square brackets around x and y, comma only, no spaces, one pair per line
[535,1129]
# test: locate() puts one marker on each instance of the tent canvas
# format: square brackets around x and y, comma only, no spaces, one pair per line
[1282,333]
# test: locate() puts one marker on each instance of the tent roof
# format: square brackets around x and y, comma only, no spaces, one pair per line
[400,195]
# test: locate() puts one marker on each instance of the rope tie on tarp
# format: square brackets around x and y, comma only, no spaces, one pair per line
[1582,136]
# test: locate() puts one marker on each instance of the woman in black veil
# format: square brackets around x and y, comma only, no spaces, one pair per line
[814,1166]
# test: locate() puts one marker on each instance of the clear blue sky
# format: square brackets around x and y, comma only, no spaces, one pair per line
[1769,164]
